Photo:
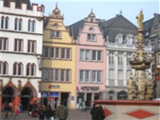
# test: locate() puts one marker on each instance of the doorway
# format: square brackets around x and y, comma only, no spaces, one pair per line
[7,95]
[64,98]
[26,96]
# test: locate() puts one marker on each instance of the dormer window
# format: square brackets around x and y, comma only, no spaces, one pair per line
[130,39]
[91,29]
[119,38]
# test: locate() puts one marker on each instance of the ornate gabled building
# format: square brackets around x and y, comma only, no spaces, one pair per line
[90,60]
[152,36]
[59,60]
[21,33]
[120,35]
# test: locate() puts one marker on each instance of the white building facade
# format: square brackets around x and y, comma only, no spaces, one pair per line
[118,67]
[21,34]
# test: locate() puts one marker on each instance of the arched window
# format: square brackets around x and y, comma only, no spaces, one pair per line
[20,69]
[28,69]
[16,24]
[20,24]
[33,26]
[5,68]
[2,21]
[6,22]
[33,70]
[29,25]
[15,69]
[1,67]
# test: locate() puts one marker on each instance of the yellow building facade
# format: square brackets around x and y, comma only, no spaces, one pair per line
[58,63]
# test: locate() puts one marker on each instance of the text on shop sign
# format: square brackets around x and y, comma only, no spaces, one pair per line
[88,88]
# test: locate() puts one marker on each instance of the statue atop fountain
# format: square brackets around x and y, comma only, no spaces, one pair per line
[142,85]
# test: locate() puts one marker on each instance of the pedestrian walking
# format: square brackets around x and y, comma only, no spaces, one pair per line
[62,112]
[30,109]
[94,112]
[52,103]
[100,113]
[83,106]
[41,113]
[48,112]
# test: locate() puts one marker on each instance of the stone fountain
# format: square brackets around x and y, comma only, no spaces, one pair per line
[140,89]
[140,86]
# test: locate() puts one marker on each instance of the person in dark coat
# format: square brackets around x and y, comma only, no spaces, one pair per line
[41,114]
[30,109]
[94,112]
[48,112]
[100,113]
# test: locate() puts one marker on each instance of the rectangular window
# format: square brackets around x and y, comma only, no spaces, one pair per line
[120,74]
[87,76]
[120,59]
[58,34]
[128,58]
[62,75]
[99,55]
[93,37]
[18,45]
[46,52]
[99,76]
[31,46]
[57,52]
[52,52]
[63,53]
[111,58]
[111,74]
[52,34]
[81,75]
[89,36]
[45,74]
[67,75]
[56,75]
[94,55]
[68,53]
[87,55]
[93,76]
[82,54]
[52,75]
[29,25]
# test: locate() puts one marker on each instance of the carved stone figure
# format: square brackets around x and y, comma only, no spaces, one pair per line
[140,18]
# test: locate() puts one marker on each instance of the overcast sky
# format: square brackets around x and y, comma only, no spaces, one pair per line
[75,10]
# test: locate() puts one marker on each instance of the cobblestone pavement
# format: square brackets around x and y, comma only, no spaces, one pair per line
[73,115]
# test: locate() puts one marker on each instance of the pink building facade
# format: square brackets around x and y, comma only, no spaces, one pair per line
[91,60]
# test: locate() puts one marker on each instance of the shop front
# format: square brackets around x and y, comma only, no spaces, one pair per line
[57,92]
[88,94]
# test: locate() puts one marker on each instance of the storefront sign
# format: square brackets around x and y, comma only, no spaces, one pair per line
[53,94]
[44,94]
[54,86]
[88,88]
